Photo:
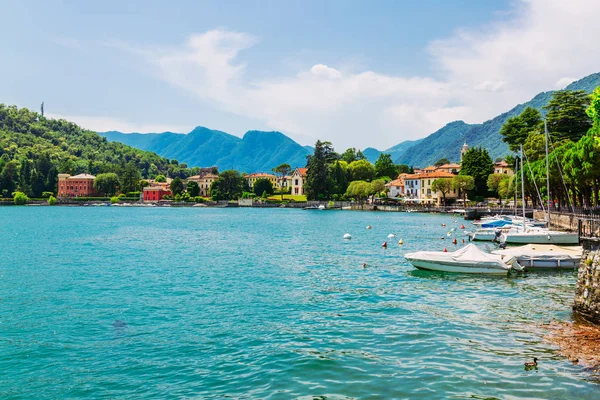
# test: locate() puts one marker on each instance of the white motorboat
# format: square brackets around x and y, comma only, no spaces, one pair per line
[539,236]
[535,256]
[469,259]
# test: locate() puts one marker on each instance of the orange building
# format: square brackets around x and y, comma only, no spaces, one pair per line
[81,185]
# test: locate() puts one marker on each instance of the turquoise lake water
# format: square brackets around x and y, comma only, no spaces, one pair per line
[115,302]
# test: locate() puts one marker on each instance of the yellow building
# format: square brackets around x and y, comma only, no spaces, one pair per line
[501,167]
[428,196]
[252,178]
[204,182]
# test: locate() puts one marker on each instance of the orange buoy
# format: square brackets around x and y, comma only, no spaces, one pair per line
[443,224]
[384,245]
[463,240]
[445,250]
[462,226]
[454,241]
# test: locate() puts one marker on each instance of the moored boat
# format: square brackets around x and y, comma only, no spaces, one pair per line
[536,256]
[469,259]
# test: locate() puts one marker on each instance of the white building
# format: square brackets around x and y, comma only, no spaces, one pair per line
[412,187]
[298,178]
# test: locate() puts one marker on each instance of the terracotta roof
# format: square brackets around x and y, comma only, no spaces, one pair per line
[501,164]
[451,166]
[413,176]
[430,168]
[437,174]
[82,176]
[155,188]
[396,182]
[260,175]
[302,171]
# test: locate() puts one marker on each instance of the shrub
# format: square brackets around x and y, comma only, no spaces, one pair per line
[51,200]
[20,198]
[199,199]
[133,194]
[47,194]
[122,195]
[330,204]
[114,200]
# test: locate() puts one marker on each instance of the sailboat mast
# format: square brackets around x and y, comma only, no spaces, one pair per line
[516,186]
[523,190]
[550,202]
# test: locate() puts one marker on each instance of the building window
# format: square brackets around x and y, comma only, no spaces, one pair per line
[296,182]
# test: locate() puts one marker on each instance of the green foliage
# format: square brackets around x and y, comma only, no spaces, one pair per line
[228,186]
[281,171]
[361,170]
[441,162]
[262,186]
[463,183]
[47,194]
[160,178]
[20,198]
[566,114]
[593,111]
[107,184]
[478,164]
[404,169]
[114,200]
[351,155]
[51,200]
[176,186]
[193,189]
[130,178]
[442,185]
[318,182]
[517,129]
[377,186]
[384,166]
[339,177]
[359,190]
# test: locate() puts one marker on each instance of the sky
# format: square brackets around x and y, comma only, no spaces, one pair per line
[356,73]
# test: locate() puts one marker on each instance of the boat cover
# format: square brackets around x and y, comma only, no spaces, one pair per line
[470,255]
[542,251]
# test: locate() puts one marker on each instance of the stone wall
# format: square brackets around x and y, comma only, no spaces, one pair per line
[587,294]
[559,221]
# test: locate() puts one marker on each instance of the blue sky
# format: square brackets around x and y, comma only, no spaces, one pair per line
[356,73]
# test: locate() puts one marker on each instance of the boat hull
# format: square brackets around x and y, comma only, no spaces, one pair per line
[441,266]
[533,263]
[542,238]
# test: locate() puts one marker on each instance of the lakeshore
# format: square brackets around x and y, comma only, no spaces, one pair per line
[255,304]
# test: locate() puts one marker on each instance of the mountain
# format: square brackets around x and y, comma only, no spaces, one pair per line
[256,151]
[371,154]
[399,149]
[448,141]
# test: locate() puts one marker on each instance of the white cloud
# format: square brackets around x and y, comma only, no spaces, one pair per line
[104,124]
[482,72]
[563,82]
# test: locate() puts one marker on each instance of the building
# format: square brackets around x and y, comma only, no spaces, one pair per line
[204,182]
[428,196]
[81,185]
[449,168]
[501,167]
[396,187]
[155,193]
[463,151]
[165,185]
[252,178]
[298,179]
[412,186]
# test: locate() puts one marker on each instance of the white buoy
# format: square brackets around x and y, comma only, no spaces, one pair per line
[368,226]
[347,236]
[391,235]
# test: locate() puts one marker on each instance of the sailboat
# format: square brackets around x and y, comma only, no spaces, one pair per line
[538,236]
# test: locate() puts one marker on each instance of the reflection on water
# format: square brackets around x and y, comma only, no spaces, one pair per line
[169,303]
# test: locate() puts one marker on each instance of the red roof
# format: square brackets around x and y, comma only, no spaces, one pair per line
[302,171]
[437,174]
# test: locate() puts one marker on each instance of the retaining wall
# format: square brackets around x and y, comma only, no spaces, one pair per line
[587,294]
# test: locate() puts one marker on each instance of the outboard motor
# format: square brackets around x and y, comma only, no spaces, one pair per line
[496,238]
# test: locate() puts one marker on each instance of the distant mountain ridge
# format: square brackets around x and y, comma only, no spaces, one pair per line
[447,141]
[256,151]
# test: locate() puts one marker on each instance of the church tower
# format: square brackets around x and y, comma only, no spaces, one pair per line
[463,151]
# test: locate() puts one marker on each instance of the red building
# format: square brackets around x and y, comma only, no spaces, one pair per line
[155,193]
[81,185]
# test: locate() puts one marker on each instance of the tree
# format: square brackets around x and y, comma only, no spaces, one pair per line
[51,180]
[25,176]
[108,183]
[51,200]
[228,186]
[130,178]
[176,186]
[442,185]
[339,177]
[593,111]
[516,129]
[478,164]
[193,189]
[506,187]
[9,177]
[318,182]
[493,183]
[359,190]
[404,169]
[263,186]
[377,186]
[20,198]
[463,183]
[384,166]
[160,178]
[361,170]
[349,155]
[441,162]
[281,171]
[566,114]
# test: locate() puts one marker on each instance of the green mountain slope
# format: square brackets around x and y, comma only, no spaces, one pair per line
[448,141]
[256,151]
[34,149]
